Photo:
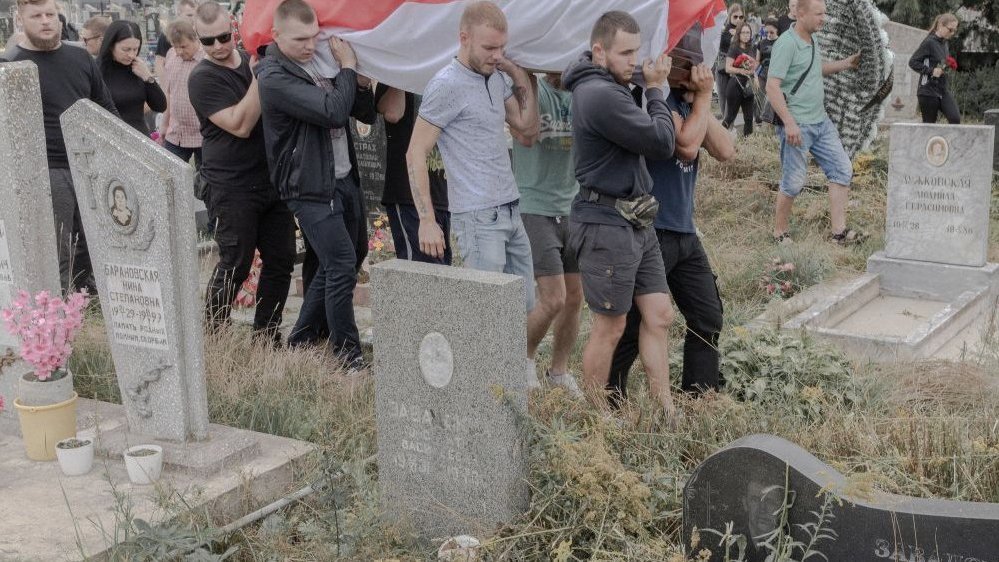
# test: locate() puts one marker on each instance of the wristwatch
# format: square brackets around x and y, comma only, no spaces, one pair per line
[151,80]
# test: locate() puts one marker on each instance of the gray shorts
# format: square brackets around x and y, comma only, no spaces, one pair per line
[617,264]
[550,245]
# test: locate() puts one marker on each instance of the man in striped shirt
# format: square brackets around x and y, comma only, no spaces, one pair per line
[181,131]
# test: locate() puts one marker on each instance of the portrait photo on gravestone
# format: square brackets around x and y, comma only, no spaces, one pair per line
[497,280]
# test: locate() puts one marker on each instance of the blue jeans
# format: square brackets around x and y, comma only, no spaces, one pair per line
[822,140]
[336,231]
[494,239]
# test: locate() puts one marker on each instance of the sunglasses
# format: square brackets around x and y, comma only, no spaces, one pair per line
[737,17]
[222,38]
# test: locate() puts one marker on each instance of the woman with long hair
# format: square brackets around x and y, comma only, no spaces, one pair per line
[127,76]
[931,61]
[735,17]
[739,93]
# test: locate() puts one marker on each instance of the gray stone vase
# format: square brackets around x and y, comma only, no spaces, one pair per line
[33,392]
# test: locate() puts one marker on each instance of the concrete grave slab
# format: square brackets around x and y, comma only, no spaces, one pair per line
[43,511]
[27,228]
[774,472]
[450,341]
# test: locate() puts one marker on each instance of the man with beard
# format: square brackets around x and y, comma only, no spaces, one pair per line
[611,221]
[66,74]
[463,111]
[248,213]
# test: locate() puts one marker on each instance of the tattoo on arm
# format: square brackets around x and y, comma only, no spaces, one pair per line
[414,189]
[520,92]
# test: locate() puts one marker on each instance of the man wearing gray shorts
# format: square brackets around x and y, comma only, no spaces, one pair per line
[545,174]
[619,257]
[463,110]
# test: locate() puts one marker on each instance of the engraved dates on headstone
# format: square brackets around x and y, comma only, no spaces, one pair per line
[778,479]
[140,226]
[939,193]
[447,388]
[369,147]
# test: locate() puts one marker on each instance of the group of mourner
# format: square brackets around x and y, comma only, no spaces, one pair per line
[596,205]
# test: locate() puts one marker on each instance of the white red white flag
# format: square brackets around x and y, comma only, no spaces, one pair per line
[405,42]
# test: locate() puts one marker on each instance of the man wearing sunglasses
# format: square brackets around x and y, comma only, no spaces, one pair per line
[307,106]
[92,34]
[247,211]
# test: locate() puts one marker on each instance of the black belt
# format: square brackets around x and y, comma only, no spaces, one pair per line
[592,196]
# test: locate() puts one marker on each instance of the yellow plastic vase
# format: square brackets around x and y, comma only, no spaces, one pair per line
[44,426]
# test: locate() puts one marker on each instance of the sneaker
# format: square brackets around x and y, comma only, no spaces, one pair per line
[532,375]
[355,368]
[566,381]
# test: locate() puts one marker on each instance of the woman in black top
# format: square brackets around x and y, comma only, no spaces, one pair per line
[127,76]
[930,61]
[739,92]
[735,17]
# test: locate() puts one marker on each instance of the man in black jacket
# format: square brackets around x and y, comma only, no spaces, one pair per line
[611,223]
[246,208]
[311,155]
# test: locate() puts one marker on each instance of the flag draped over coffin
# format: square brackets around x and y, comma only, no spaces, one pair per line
[405,42]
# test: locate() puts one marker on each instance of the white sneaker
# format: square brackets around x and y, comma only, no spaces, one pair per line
[566,381]
[532,375]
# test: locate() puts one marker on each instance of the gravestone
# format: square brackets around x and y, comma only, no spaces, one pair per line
[992,118]
[27,228]
[939,193]
[449,341]
[775,475]
[137,207]
[369,146]
[903,40]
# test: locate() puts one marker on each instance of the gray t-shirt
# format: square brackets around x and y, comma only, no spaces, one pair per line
[469,110]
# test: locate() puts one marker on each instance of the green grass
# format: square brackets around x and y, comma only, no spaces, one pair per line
[608,491]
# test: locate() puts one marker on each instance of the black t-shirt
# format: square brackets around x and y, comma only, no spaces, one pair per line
[162,46]
[65,76]
[397,137]
[733,52]
[765,48]
[226,160]
[784,23]
[131,94]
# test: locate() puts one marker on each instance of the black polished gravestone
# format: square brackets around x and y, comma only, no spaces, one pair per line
[369,145]
[992,118]
[744,484]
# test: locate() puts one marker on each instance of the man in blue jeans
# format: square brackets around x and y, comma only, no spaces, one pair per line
[807,128]
[463,111]
[311,156]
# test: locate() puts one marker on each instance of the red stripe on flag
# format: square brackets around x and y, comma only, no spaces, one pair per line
[258,16]
[684,14]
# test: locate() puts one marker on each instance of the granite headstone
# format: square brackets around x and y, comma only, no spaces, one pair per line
[939,193]
[775,475]
[369,146]
[27,228]
[992,118]
[137,208]
[903,40]
[449,382]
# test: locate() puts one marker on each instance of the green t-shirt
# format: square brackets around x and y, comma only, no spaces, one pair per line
[789,59]
[546,173]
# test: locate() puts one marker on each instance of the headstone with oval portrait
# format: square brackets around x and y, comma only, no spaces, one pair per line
[369,146]
[448,389]
[138,211]
[939,193]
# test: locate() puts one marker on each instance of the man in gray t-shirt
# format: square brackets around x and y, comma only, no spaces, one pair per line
[463,111]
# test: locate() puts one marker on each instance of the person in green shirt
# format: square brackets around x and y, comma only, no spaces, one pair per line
[546,177]
[806,127]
